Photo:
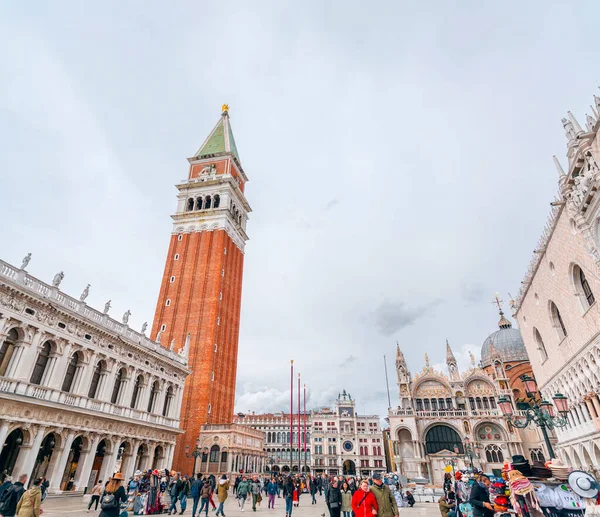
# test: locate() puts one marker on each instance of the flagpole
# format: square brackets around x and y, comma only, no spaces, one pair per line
[305,427]
[299,461]
[291,412]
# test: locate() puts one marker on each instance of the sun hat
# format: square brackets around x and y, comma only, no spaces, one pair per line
[583,484]
[118,475]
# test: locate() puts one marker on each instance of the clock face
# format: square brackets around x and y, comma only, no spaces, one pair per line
[348,446]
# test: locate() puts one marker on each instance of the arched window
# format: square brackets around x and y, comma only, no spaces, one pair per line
[40,364]
[537,455]
[434,405]
[540,344]
[6,350]
[67,384]
[153,394]
[583,286]
[167,403]
[216,201]
[449,403]
[139,382]
[419,405]
[117,387]
[207,202]
[442,437]
[492,402]
[493,454]
[557,320]
[214,454]
[199,203]
[95,380]
[472,403]
[478,403]
[486,405]
[441,404]
[426,404]
[190,205]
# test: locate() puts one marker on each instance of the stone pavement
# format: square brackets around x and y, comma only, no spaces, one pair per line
[76,507]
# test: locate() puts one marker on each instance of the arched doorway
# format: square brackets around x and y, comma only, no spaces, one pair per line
[142,457]
[213,458]
[158,456]
[124,455]
[98,461]
[306,469]
[10,450]
[44,457]
[441,442]
[275,468]
[68,479]
[285,468]
[349,468]
[295,468]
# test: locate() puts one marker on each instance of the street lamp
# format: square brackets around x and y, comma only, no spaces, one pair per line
[471,450]
[195,453]
[540,412]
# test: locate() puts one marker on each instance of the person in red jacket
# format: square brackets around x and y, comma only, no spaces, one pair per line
[364,503]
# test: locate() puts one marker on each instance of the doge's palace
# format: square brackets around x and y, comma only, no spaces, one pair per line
[81,395]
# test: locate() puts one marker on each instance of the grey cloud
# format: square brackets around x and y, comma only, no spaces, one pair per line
[473,293]
[390,317]
[348,361]
[335,201]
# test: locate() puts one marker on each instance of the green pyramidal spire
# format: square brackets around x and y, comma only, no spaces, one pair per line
[220,140]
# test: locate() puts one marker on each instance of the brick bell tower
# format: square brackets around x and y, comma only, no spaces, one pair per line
[200,295]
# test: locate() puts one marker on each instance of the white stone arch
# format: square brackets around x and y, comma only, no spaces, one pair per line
[496,425]
[586,456]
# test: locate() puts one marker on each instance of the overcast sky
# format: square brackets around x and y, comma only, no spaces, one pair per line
[399,157]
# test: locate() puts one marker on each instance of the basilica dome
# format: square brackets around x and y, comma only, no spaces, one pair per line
[506,342]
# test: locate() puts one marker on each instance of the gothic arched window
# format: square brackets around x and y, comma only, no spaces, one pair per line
[153,394]
[95,380]
[199,203]
[557,321]
[540,344]
[214,454]
[583,287]
[493,454]
[67,384]
[190,205]
[449,403]
[139,382]
[117,387]
[40,364]
[216,201]
[6,350]
[167,404]
[207,202]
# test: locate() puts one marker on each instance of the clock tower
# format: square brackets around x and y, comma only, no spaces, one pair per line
[198,309]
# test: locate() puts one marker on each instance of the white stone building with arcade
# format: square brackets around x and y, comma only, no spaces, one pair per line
[556,307]
[81,395]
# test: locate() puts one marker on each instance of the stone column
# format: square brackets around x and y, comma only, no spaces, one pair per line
[83,377]
[108,383]
[590,408]
[22,368]
[127,458]
[4,426]
[55,477]
[59,368]
[84,466]
[28,455]
[131,465]
[596,404]
[144,396]
[109,462]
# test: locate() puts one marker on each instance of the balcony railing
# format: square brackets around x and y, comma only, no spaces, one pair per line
[447,413]
[79,401]
[84,312]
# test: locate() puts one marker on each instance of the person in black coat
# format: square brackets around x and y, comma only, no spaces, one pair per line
[333,498]
[480,498]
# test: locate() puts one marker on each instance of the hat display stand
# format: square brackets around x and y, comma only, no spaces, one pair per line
[545,492]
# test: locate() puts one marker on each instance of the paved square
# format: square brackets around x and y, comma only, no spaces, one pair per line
[76,507]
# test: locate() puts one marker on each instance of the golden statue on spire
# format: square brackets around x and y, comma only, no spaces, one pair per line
[225,108]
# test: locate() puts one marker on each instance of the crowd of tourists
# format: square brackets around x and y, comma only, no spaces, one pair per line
[155,492]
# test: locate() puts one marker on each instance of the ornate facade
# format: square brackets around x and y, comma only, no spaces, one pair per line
[344,442]
[439,411]
[230,449]
[275,428]
[556,307]
[201,290]
[338,441]
[81,395]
